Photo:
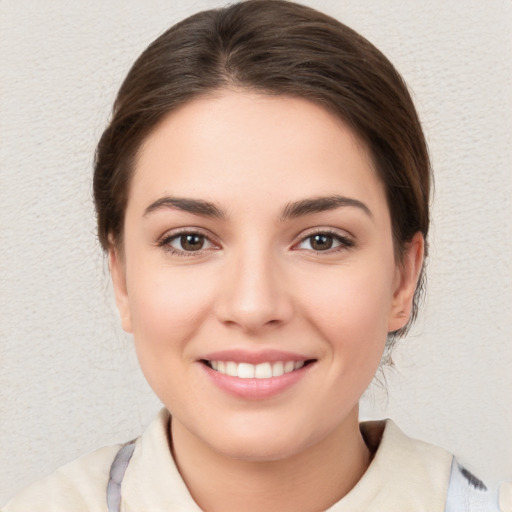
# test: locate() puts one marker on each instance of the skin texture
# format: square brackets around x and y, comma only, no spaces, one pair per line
[257,284]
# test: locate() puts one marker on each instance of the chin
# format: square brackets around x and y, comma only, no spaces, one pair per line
[260,441]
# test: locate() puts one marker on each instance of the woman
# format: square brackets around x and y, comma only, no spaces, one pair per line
[262,193]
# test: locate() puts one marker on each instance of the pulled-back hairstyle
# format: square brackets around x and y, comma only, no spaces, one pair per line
[279,48]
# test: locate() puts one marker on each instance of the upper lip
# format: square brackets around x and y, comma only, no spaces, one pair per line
[253,357]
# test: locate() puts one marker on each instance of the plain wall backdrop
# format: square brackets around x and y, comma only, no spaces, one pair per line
[69,380]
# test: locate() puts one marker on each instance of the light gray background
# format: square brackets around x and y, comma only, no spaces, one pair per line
[69,381]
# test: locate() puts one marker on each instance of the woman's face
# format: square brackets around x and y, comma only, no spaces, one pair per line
[258,275]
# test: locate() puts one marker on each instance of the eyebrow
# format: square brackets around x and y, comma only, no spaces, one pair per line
[291,210]
[321,204]
[195,206]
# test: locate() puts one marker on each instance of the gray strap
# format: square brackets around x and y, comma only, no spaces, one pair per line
[117,471]
[468,494]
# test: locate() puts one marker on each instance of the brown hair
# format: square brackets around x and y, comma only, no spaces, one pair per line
[280,48]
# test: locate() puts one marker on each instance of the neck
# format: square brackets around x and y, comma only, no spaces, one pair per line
[313,479]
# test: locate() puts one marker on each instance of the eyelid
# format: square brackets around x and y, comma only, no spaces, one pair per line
[164,240]
[346,240]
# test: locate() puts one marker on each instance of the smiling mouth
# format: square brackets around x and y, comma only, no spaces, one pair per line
[256,371]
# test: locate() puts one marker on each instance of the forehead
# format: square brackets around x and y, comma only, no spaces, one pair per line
[238,144]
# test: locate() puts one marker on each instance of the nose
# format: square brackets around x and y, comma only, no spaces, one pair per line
[254,296]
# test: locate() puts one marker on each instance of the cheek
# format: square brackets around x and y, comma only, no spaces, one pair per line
[167,305]
[350,308]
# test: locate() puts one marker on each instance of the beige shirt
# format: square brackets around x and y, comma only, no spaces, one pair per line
[405,475]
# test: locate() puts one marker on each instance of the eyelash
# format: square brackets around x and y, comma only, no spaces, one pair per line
[343,241]
[166,240]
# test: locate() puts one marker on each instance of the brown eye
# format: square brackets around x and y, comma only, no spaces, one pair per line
[189,242]
[192,242]
[324,242]
[321,242]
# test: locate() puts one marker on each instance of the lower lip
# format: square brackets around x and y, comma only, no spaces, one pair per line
[256,389]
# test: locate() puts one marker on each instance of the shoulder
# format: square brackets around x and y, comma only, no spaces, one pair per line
[409,471]
[421,476]
[78,486]
[404,474]
[466,493]
[83,485]
[411,458]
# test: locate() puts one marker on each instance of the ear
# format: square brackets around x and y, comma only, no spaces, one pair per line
[406,279]
[118,273]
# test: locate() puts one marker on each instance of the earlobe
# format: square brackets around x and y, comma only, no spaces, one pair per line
[118,273]
[408,273]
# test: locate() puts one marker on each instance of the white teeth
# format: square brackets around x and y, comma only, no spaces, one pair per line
[256,371]
[289,366]
[246,371]
[277,369]
[263,371]
[231,369]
